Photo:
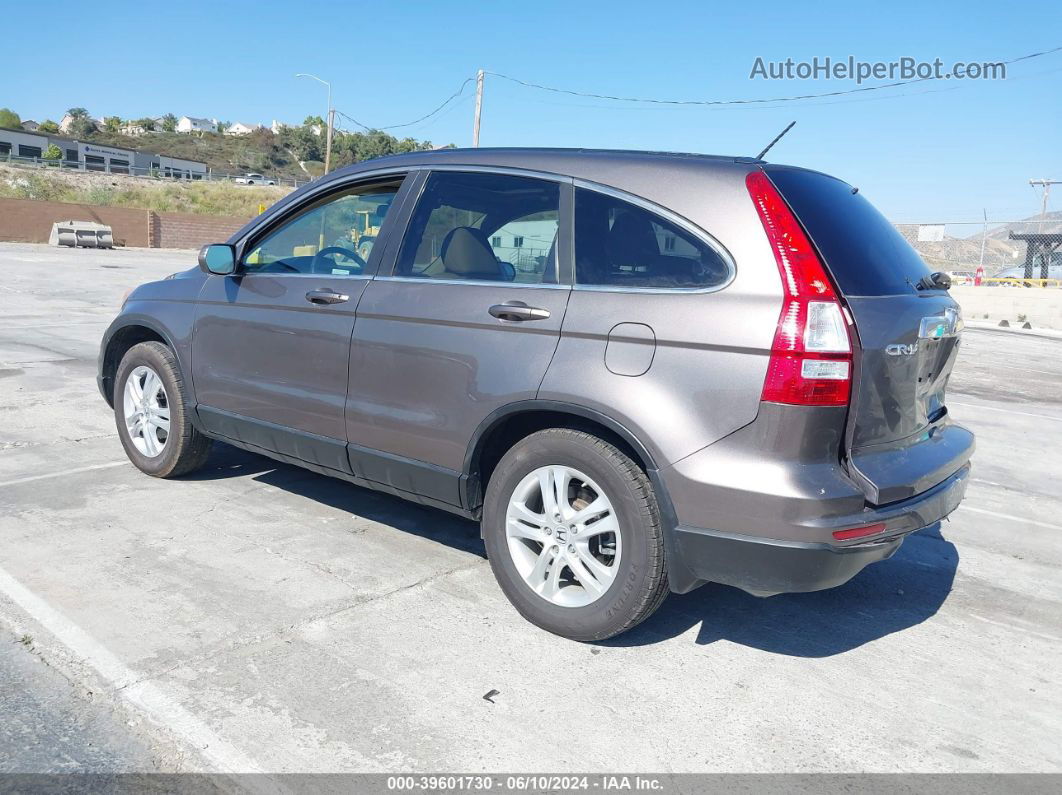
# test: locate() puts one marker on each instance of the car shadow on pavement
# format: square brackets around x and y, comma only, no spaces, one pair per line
[431,523]
[885,597]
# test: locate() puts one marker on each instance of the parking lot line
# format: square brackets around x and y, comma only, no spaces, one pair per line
[144,696]
[980,406]
[1011,517]
[64,473]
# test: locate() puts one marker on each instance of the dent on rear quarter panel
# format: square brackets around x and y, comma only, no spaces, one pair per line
[711,355]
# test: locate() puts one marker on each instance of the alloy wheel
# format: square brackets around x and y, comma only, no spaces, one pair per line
[147,411]
[563,536]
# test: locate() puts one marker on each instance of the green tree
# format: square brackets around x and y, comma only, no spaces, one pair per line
[112,124]
[49,126]
[169,123]
[223,125]
[53,152]
[82,127]
[8,118]
[310,121]
[146,123]
[77,113]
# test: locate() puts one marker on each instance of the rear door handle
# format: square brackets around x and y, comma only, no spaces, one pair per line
[518,310]
[325,295]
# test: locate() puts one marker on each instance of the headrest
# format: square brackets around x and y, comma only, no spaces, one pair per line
[631,240]
[466,252]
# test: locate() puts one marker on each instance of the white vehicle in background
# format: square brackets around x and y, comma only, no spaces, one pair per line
[254,179]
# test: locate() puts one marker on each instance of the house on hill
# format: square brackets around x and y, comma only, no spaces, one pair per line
[190,124]
[239,128]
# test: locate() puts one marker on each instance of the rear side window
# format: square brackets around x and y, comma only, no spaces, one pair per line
[483,227]
[864,252]
[618,244]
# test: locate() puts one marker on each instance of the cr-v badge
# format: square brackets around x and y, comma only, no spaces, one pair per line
[898,349]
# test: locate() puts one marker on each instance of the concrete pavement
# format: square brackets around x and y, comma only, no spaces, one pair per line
[257,616]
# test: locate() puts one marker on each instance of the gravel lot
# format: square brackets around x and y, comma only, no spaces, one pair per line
[258,617]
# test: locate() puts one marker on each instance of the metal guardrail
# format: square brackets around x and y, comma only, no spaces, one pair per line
[1014,282]
[164,173]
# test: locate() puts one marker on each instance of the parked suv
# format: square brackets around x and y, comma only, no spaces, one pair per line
[640,372]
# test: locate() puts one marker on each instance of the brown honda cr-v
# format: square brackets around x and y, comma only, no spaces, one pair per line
[640,372]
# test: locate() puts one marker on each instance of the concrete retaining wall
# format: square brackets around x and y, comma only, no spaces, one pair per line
[1040,306]
[29,221]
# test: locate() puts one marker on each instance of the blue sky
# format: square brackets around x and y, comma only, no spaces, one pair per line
[937,151]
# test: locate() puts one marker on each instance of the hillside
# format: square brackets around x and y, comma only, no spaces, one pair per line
[114,190]
[224,154]
[294,153]
[954,253]
[1051,223]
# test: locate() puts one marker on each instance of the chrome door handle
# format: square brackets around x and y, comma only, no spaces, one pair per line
[518,310]
[324,295]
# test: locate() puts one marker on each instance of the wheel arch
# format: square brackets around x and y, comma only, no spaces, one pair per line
[120,338]
[505,426]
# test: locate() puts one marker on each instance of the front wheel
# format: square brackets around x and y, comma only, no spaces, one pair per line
[149,410]
[572,531]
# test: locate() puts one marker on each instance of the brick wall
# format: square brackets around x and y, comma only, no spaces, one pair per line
[181,230]
[29,221]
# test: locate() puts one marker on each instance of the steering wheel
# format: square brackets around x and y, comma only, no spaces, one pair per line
[332,251]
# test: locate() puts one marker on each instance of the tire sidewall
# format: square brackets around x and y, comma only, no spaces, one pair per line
[611,612]
[161,362]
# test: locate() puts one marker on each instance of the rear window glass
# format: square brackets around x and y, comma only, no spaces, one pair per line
[620,245]
[865,253]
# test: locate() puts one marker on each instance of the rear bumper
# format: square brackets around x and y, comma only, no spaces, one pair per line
[768,566]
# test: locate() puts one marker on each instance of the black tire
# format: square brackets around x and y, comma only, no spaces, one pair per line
[185,449]
[639,586]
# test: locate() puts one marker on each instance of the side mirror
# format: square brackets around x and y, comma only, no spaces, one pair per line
[218,258]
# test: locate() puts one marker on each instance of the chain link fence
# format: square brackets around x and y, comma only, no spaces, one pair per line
[1014,253]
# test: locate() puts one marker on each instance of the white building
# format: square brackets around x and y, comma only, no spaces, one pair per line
[26,146]
[132,129]
[239,128]
[189,124]
[68,121]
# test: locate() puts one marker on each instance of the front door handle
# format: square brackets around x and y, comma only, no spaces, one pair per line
[325,295]
[518,310]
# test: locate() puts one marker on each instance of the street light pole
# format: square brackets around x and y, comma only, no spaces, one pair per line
[479,107]
[329,117]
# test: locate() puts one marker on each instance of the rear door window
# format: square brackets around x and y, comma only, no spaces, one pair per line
[483,227]
[618,244]
[866,255]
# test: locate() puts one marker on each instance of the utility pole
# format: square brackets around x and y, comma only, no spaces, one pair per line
[479,107]
[984,237]
[328,138]
[1046,185]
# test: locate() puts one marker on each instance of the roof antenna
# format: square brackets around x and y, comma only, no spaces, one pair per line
[777,138]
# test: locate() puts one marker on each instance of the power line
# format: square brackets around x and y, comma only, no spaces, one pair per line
[425,117]
[651,101]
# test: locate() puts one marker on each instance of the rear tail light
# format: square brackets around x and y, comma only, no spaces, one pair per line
[811,356]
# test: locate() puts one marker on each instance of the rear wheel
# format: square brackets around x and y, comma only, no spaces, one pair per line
[149,410]
[573,534]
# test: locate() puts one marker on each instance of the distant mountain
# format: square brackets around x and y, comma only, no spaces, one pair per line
[963,254]
[1051,223]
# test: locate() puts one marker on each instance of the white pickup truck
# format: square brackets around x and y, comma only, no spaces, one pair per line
[254,179]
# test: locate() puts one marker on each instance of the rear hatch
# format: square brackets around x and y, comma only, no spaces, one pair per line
[899,439]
